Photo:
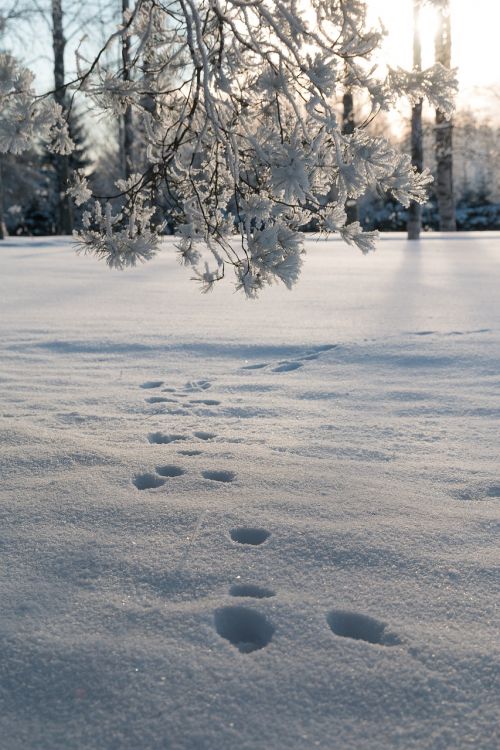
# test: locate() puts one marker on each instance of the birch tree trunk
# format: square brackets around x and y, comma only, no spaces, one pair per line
[444,129]
[417,148]
[65,214]
[2,233]
[127,124]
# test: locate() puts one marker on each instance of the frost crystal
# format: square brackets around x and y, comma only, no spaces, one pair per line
[24,118]
[79,190]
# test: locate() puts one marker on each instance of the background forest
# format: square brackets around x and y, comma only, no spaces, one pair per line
[32,184]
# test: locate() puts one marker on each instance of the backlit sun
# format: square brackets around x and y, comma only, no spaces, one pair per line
[474,36]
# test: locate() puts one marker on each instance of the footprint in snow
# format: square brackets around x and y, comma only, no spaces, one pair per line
[244,628]
[147,481]
[258,366]
[219,476]
[205,401]
[160,400]
[162,438]
[323,348]
[170,471]
[478,493]
[317,351]
[493,491]
[152,384]
[287,366]
[190,453]
[202,435]
[360,628]
[197,385]
[250,590]
[252,535]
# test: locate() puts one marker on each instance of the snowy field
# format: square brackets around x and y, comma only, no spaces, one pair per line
[237,525]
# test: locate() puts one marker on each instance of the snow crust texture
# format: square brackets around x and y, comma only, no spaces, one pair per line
[228,524]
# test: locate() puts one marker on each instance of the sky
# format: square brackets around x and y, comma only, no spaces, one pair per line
[475,27]
[474,41]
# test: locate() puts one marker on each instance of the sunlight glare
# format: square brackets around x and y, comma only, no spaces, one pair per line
[474,36]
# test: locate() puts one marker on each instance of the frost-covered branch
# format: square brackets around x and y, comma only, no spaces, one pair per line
[24,119]
[236,103]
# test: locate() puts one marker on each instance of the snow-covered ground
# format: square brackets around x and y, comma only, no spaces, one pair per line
[236,525]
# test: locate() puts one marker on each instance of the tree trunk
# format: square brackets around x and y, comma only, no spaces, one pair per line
[348,125]
[65,213]
[127,124]
[417,148]
[2,233]
[444,130]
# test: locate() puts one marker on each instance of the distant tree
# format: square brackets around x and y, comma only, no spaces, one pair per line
[30,197]
[417,152]
[64,21]
[444,126]
[127,117]
[348,127]
[8,14]
[2,221]
[65,208]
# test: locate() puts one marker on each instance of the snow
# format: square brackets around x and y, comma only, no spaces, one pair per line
[251,524]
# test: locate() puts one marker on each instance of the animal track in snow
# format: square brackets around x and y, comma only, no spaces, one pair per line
[161,438]
[449,333]
[197,385]
[147,481]
[190,453]
[290,365]
[206,401]
[287,366]
[479,493]
[219,476]
[250,590]
[170,471]
[249,535]
[160,400]
[152,384]
[244,628]
[360,627]
[493,491]
[323,348]
[204,435]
